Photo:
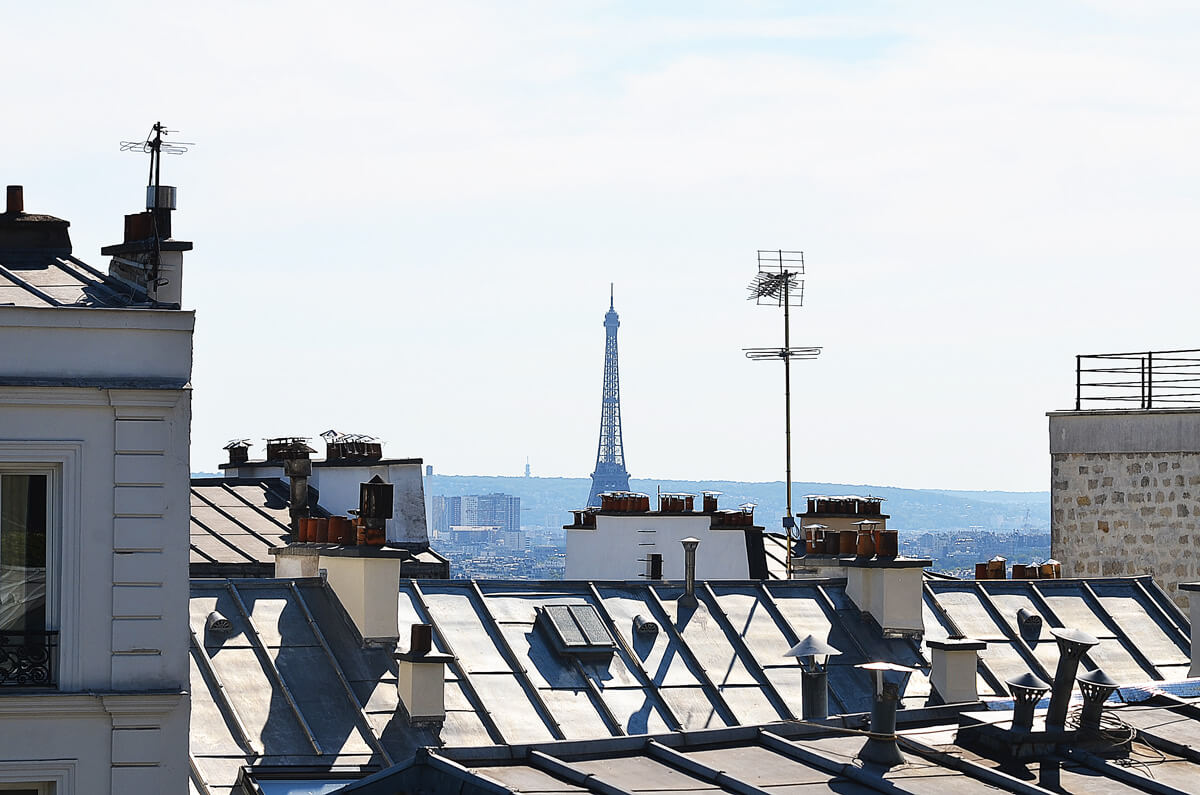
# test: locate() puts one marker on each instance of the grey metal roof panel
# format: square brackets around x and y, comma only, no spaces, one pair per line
[720,663]
[63,282]
[243,518]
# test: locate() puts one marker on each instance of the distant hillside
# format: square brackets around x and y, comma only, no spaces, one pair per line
[547,501]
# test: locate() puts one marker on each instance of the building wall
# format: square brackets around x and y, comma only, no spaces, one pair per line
[118,719]
[617,547]
[339,485]
[1125,495]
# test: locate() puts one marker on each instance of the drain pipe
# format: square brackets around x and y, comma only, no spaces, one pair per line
[1072,645]
[689,572]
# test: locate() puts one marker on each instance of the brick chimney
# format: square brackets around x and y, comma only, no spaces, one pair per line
[30,238]
[149,257]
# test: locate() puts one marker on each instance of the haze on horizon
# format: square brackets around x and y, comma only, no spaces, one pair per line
[406,217]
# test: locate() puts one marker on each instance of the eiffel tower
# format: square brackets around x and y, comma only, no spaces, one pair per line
[610,474]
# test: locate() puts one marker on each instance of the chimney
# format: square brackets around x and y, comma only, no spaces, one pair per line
[1027,690]
[1072,645]
[1096,687]
[889,590]
[813,654]
[1194,615]
[238,450]
[297,467]
[689,572]
[148,256]
[421,678]
[375,507]
[364,580]
[889,680]
[16,199]
[955,666]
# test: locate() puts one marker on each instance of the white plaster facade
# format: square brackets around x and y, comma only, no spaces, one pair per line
[98,398]
[616,548]
[338,485]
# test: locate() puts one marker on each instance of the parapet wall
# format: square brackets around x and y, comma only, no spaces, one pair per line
[1125,495]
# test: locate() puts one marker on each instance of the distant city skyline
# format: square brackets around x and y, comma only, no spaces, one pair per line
[406,218]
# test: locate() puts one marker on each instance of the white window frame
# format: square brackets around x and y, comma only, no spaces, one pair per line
[53,777]
[62,459]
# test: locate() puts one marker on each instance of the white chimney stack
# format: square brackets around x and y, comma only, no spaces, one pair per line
[889,590]
[955,666]
[421,678]
[366,582]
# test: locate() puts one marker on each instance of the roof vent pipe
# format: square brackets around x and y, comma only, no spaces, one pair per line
[813,655]
[881,747]
[1096,687]
[644,626]
[1027,690]
[689,572]
[16,199]
[1072,645]
[218,624]
[298,471]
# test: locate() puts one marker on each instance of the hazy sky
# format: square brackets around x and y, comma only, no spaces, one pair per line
[406,217]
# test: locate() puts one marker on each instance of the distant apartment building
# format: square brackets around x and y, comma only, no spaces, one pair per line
[501,511]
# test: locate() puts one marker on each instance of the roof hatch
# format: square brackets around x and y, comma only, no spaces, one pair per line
[576,630]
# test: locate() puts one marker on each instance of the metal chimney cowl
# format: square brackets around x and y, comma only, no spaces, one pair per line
[688,599]
[1072,645]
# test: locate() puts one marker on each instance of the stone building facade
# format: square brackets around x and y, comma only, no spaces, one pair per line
[1125,494]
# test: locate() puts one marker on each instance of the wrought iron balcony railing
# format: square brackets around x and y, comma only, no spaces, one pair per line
[1142,380]
[28,659]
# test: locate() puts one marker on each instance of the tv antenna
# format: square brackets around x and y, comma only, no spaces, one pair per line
[155,146]
[780,283]
[159,200]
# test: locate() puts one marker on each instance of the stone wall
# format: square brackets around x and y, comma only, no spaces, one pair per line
[1120,514]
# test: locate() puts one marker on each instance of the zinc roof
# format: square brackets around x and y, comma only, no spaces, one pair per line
[235,523]
[65,282]
[293,686]
[814,758]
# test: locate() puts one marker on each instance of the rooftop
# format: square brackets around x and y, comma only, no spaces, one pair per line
[811,758]
[292,685]
[66,281]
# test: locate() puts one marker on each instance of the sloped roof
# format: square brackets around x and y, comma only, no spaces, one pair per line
[307,693]
[1143,635]
[292,686]
[235,523]
[803,759]
[66,281]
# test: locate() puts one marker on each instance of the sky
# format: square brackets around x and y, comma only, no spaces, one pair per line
[406,217]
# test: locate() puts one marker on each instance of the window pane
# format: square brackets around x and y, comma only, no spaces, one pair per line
[23,553]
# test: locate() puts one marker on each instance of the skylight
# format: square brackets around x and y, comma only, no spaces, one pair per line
[576,629]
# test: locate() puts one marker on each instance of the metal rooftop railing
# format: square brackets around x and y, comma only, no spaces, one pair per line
[1142,380]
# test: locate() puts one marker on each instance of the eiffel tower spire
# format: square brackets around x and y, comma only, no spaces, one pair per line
[610,474]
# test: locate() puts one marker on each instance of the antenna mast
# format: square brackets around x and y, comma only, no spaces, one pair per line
[779,282]
[158,201]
